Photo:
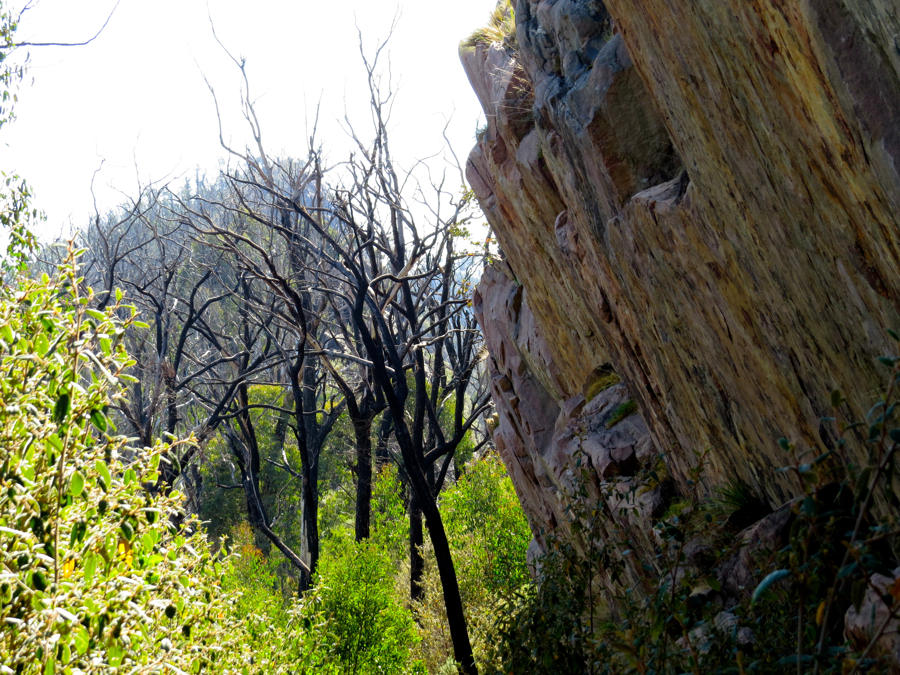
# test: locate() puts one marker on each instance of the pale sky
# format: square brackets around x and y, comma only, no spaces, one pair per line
[136,98]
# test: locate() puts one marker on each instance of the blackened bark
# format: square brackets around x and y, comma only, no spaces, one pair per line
[308,500]
[416,539]
[456,619]
[363,431]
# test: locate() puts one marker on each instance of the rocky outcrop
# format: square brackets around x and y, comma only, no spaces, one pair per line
[703,197]
[875,621]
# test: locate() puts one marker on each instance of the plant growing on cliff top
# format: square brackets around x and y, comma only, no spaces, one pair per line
[501,28]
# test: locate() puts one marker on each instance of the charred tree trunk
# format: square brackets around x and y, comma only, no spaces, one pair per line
[416,539]
[308,473]
[421,493]
[363,430]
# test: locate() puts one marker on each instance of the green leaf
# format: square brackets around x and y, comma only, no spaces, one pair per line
[764,585]
[76,486]
[90,567]
[847,570]
[836,398]
[61,409]
[38,580]
[115,655]
[41,344]
[147,542]
[103,470]
[99,420]
[82,640]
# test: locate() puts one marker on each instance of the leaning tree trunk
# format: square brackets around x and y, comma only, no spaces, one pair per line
[421,493]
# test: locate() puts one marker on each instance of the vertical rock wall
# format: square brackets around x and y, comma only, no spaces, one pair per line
[703,196]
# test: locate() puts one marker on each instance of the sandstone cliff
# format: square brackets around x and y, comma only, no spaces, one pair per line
[701,196]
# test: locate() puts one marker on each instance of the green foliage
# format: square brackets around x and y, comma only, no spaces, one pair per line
[221,510]
[489,537]
[390,524]
[253,576]
[482,513]
[16,213]
[373,632]
[94,575]
[624,409]
[735,495]
[224,510]
[602,382]
[10,73]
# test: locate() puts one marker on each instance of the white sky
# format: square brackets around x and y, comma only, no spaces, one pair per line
[136,97]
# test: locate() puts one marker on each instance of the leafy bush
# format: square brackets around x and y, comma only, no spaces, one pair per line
[373,632]
[624,409]
[482,513]
[259,589]
[94,574]
[390,524]
[501,28]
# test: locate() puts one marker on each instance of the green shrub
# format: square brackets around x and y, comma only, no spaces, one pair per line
[254,579]
[373,632]
[501,28]
[390,523]
[93,575]
[623,410]
[482,513]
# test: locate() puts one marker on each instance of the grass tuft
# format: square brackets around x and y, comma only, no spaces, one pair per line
[623,411]
[735,496]
[501,28]
[603,381]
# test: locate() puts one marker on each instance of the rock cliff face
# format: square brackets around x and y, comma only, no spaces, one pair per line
[701,196]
